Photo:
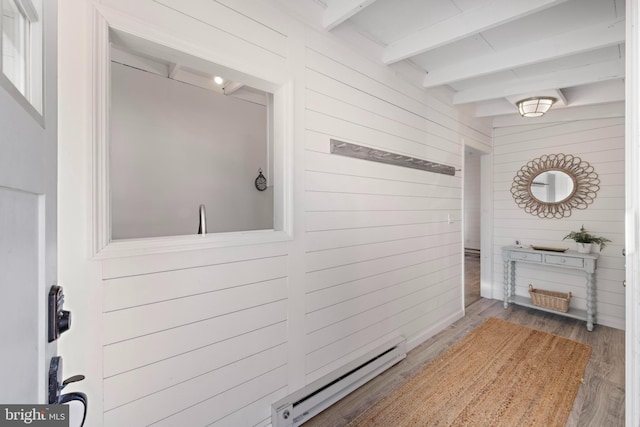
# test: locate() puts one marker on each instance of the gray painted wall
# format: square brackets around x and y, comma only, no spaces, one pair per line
[174,146]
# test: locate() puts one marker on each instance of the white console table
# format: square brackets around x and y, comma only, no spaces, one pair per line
[569,259]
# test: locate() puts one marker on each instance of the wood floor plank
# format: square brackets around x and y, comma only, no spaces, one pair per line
[603,404]
[471,277]
[600,400]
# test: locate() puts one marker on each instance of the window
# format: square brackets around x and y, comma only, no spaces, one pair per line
[22,49]
[14,44]
[181,142]
[190,143]
[119,51]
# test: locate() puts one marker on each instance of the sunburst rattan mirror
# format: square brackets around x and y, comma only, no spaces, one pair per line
[550,186]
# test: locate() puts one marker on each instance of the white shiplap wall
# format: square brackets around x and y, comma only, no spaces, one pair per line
[381,259]
[193,340]
[599,142]
[472,200]
[213,337]
[200,337]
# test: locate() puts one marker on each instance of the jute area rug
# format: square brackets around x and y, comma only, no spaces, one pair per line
[500,374]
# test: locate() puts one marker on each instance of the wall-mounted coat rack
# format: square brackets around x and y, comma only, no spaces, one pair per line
[372,154]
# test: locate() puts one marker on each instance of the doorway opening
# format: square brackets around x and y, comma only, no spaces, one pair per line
[472,215]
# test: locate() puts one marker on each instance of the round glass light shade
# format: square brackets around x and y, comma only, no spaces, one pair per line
[535,107]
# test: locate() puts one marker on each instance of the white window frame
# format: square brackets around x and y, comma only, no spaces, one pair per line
[281,164]
[32,99]
[20,54]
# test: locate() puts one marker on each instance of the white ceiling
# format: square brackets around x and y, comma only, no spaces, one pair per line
[144,55]
[491,53]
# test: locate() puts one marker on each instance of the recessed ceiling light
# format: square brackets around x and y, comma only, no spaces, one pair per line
[219,80]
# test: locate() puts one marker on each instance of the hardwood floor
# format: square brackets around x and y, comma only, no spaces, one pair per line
[471,277]
[600,400]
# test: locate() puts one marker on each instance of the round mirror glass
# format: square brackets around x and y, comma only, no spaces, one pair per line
[552,186]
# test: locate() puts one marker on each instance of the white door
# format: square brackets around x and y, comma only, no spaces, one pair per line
[632,224]
[28,167]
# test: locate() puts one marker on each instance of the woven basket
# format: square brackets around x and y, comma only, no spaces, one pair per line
[558,301]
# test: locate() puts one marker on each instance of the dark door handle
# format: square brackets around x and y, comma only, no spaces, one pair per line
[75,397]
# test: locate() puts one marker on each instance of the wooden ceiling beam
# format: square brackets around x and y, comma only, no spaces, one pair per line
[583,112]
[606,93]
[339,11]
[173,69]
[466,24]
[560,79]
[231,87]
[598,36]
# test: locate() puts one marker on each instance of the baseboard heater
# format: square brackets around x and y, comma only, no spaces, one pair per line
[303,404]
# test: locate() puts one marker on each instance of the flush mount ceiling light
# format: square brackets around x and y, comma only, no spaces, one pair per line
[535,107]
[219,80]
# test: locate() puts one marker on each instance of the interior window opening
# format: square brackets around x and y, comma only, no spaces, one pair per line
[190,149]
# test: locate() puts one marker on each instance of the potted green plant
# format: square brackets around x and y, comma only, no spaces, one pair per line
[585,240]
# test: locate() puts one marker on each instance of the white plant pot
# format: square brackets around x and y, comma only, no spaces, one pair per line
[584,248]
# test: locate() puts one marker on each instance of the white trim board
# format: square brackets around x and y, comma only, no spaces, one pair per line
[632,217]
[109,24]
